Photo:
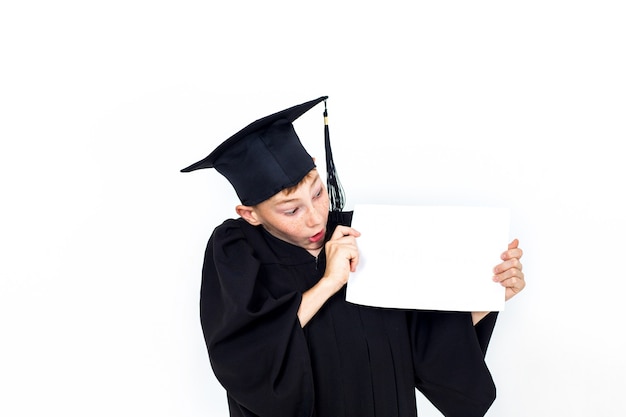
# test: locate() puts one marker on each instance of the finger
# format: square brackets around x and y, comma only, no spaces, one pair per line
[514,280]
[513,286]
[354,261]
[508,274]
[512,253]
[508,264]
[514,244]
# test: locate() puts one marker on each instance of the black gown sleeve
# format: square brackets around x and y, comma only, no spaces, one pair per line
[449,362]
[255,342]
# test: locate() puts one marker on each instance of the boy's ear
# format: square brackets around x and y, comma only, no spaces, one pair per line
[248,214]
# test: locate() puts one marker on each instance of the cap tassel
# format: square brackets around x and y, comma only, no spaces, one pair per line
[336,194]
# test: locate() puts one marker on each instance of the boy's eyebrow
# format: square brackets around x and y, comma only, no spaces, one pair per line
[286,200]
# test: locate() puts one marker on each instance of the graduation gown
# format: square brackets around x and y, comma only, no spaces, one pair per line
[348,361]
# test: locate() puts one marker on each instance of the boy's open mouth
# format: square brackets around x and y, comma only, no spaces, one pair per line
[317,237]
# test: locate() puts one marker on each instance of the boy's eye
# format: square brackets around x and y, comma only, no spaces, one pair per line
[291,212]
[319,193]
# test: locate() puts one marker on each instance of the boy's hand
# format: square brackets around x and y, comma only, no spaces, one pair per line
[342,255]
[509,273]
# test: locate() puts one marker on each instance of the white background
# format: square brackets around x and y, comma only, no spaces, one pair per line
[452,102]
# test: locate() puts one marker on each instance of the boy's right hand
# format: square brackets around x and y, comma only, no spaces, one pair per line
[342,255]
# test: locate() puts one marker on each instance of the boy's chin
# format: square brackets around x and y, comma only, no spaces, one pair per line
[314,247]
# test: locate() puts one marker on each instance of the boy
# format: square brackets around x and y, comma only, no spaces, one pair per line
[281,338]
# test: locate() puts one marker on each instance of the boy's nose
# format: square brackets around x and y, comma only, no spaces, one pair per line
[314,218]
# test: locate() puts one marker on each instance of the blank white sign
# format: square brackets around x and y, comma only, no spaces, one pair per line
[429,257]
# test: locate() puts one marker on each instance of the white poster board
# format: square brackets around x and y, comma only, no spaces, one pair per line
[429,257]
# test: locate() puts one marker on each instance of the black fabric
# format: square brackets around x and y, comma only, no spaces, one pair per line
[336,195]
[349,361]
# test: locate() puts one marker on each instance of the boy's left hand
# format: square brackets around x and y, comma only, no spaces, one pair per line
[509,273]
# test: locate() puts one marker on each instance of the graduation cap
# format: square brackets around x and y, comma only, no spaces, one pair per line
[267,156]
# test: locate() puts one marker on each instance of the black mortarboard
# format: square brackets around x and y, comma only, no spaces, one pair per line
[266,156]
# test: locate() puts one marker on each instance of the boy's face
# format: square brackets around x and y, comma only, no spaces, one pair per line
[298,217]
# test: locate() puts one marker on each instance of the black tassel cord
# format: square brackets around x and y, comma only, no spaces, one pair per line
[335,190]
